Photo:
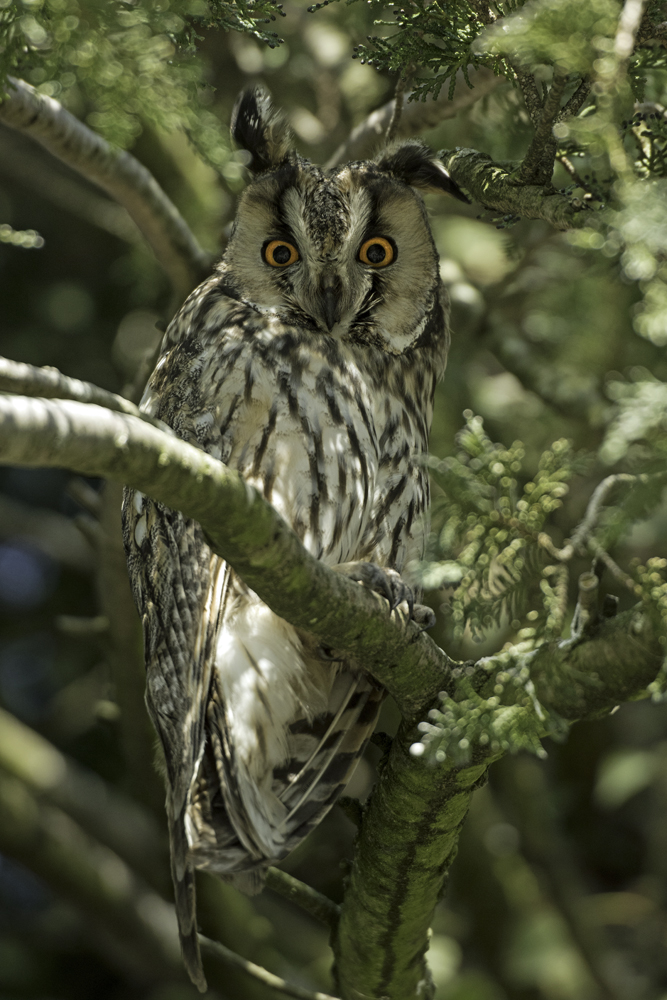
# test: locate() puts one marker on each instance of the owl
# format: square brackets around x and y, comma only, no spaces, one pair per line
[307,362]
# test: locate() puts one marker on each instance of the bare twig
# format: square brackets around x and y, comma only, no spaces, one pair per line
[586,611]
[576,102]
[416,117]
[531,95]
[303,895]
[118,172]
[257,972]
[395,120]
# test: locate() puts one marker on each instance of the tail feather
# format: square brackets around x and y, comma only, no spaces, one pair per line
[185,898]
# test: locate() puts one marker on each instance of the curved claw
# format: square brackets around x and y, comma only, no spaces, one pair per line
[388,584]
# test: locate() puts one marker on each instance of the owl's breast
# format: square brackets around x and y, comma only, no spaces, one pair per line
[301,431]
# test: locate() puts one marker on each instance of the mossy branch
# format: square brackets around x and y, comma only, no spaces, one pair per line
[497,189]
[260,546]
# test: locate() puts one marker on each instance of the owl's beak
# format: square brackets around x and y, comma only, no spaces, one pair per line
[331,292]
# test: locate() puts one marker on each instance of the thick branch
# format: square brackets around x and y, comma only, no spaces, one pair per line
[260,546]
[497,189]
[118,172]
[411,826]
[416,116]
[17,377]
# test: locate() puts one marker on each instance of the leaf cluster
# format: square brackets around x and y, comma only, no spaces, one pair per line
[509,720]
[435,38]
[128,61]
[491,547]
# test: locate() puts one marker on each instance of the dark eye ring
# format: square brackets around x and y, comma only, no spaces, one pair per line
[279,253]
[377,252]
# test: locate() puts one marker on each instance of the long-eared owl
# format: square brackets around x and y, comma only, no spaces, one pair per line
[308,362]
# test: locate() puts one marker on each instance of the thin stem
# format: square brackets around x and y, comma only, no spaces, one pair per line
[576,102]
[309,899]
[117,171]
[416,117]
[395,120]
[257,972]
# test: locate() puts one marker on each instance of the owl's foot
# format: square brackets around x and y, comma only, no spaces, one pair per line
[388,583]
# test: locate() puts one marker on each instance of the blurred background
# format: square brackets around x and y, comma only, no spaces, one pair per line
[559,891]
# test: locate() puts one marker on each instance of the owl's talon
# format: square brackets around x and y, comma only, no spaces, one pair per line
[424,617]
[388,584]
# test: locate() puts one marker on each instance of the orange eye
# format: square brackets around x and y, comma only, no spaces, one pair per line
[377,252]
[280,253]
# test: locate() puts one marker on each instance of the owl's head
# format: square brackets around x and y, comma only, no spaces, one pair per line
[348,252]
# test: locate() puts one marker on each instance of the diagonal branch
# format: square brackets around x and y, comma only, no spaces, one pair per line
[416,117]
[260,546]
[117,171]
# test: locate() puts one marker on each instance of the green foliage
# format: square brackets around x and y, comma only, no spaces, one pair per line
[651,588]
[639,421]
[509,720]
[131,62]
[436,37]
[566,34]
[492,546]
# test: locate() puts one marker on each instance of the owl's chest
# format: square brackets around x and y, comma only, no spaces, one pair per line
[315,431]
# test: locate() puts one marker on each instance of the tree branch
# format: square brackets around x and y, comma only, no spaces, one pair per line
[257,972]
[260,546]
[303,895]
[117,171]
[496,188]
[416,117]
[16,377]
[412,823]
[537,165]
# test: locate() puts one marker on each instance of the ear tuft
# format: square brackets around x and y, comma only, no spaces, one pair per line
[413,163]
[261,130]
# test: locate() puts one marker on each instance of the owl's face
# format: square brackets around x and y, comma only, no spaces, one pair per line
[349,252]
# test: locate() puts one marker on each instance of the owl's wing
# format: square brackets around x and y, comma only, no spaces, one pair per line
[179,590]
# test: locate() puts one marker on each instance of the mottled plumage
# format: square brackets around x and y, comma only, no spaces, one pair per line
[307,362]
